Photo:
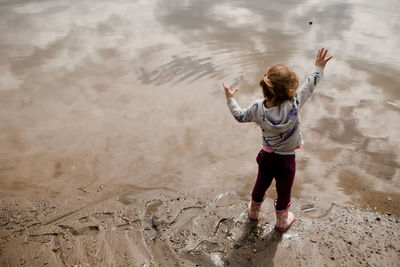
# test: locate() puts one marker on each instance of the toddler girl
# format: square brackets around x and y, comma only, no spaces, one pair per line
[278,117]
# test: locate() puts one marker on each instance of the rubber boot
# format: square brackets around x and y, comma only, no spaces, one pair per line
[254,210]
[284,219]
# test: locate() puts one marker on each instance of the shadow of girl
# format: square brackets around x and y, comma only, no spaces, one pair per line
[254,248]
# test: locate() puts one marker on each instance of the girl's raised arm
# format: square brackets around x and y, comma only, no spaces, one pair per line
[308,86]
[241,115]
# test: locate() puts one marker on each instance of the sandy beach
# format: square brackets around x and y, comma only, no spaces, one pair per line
[158,227]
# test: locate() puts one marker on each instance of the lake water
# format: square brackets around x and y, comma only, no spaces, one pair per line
[98,96]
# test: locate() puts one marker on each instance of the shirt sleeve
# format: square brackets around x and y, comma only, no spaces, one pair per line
[243,115]
[308,86]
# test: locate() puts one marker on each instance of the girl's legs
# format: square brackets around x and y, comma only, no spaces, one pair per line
[264,179]
[283,168]
[262,184]
[284,181]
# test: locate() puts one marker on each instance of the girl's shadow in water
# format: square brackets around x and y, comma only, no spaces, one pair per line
[254,248]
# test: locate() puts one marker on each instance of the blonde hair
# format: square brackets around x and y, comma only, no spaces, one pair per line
[279,83]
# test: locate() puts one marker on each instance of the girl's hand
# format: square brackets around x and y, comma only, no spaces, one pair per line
[228,93]
[321,60]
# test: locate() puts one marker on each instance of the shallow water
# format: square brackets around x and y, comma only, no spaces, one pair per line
[97,97]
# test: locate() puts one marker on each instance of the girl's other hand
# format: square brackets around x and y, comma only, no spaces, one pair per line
[228,93]
[321,60]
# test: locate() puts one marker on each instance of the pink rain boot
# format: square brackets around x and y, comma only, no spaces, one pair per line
[284,219]
[254,210]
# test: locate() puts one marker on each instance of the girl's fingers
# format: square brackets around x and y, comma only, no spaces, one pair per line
[329,58]
[326,51]
[226,87]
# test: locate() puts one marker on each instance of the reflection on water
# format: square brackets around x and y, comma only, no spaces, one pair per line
[179,69]
[129,92]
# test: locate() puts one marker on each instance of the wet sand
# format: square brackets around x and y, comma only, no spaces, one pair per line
[112,111]
[156,227]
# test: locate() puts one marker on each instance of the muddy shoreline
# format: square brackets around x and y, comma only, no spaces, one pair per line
[208,227]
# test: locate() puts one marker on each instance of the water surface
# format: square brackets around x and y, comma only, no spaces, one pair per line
[99,95]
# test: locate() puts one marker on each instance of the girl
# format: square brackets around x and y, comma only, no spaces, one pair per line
[277,115]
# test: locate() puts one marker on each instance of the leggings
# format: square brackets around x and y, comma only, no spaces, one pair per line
[280,167]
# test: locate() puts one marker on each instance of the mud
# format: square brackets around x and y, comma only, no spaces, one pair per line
[200,228]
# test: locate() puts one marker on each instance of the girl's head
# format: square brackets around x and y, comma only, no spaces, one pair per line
[279,83]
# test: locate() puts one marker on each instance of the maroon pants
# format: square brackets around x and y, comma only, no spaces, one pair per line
[280,167]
